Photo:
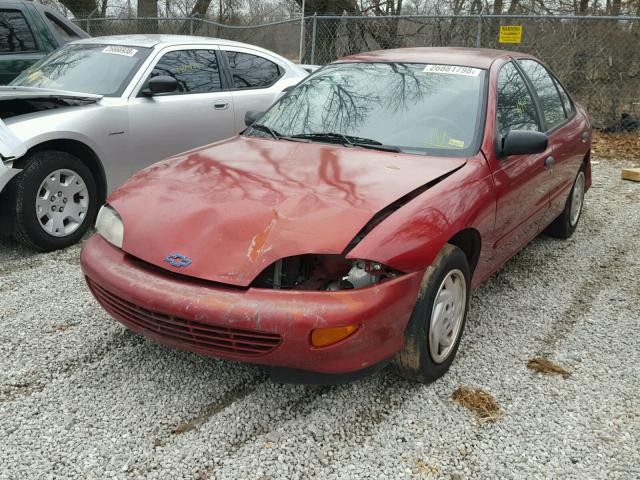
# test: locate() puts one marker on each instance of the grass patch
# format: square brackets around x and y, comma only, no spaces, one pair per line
[478,401]
[542,365]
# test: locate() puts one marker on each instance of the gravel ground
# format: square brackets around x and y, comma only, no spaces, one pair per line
[80,397]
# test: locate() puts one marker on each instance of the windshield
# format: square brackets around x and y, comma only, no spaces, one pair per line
[417,108]
[98,69]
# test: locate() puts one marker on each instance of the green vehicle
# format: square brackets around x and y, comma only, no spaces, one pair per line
[28,32]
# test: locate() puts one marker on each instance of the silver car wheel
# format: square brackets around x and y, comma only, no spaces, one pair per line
[447,315]
[62,202]
[577,198]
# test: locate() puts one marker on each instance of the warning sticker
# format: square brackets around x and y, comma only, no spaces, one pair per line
[456,143]
[453,70]
[510,34]
[120,50]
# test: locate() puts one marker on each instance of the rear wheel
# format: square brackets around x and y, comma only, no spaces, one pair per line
[54,200]
[567,221]
[433,334]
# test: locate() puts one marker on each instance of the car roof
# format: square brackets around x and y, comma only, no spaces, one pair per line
[466,57]
[153,40]
[161,40]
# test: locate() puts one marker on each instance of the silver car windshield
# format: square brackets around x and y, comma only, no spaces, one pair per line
[409,107]
[99,69]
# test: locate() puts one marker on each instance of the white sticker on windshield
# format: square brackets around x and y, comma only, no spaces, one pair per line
[453,70]
[119,50]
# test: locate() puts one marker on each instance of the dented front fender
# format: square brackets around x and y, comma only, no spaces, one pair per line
[410,238]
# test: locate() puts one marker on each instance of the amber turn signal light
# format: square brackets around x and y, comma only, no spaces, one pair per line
[321,337]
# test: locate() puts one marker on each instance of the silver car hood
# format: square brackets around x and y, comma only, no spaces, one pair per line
[10,93]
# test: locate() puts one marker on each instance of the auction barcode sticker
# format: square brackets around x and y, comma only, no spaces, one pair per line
[119,50]
[453,70]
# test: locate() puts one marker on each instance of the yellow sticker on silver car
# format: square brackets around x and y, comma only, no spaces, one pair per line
[452,70]
[120,50]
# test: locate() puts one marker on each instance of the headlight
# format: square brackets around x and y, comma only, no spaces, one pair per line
[323,272]
[110,226]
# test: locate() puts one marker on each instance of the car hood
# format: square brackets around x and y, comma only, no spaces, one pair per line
[27,93]
[235,207]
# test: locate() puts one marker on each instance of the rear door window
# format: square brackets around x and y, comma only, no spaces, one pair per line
[515,109]
[15,34]
[545,88]
[195,70]
[564,96]
[252,71]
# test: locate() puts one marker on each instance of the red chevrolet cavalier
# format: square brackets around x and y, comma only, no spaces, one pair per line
[348,224]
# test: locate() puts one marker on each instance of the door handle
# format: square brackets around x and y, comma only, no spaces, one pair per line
[548,162]
[220,105]
[584,136]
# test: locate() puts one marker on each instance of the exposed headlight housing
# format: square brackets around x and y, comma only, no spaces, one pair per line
[109,225]
[323,272]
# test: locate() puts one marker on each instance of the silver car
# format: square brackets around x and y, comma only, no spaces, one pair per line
[85,118]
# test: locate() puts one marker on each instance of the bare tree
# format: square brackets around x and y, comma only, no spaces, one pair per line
[148,8]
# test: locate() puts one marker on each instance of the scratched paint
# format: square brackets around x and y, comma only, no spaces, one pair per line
[259,240]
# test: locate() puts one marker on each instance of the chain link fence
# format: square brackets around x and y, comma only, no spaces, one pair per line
[598,58]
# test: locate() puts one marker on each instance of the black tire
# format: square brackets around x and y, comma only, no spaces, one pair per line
[414,361]
[23,191]
[562,226]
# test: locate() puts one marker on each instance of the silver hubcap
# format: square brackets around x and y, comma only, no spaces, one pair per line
[62,203]
[577,197]
[446,316]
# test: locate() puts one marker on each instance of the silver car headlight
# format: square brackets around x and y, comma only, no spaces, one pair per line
[109,225]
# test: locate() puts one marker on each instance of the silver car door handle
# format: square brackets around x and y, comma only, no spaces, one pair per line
[548,162]
[220,105]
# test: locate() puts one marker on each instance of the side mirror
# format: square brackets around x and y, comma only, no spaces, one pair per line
[523,142]
[251,116]
[161,84]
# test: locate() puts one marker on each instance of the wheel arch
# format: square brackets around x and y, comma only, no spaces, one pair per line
[586,166]
[470,242]
[80,150]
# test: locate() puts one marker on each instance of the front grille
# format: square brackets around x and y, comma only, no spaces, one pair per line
[202,337]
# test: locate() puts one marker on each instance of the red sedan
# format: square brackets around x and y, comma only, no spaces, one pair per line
[347,225]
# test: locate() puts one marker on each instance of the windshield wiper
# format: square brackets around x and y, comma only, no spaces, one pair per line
[329,137]
[276,135]
[348,140]
[269,130]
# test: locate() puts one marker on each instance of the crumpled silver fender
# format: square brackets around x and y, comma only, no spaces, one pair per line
[11,148]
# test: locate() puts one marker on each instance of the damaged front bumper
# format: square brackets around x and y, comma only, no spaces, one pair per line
[7,173]
[261,326]
[11,148]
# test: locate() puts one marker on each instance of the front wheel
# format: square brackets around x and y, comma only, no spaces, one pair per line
[54,201]
[433,334]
